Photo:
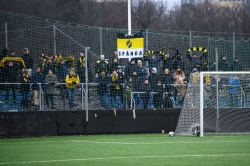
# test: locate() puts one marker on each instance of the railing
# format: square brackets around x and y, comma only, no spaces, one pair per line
[83,101]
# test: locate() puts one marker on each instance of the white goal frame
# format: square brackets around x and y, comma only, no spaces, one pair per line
[201,93]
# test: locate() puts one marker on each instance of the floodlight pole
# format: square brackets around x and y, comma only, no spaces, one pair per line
[129,17]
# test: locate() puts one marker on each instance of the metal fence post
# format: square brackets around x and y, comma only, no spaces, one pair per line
[146,44]
[86,84]
[6,34]
[233,45]
[100,35]
[190,38]
[54,38]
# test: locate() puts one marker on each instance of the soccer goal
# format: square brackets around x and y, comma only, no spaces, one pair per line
[216,102]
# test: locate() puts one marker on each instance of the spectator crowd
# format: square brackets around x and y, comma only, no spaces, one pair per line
[159,84]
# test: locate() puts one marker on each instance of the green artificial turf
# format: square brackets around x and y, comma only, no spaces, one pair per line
[127,149]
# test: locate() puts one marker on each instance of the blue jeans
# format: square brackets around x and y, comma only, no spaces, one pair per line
[151,99]
[103,100]
[138,99]
[116,100]
[71,93]
[24,98]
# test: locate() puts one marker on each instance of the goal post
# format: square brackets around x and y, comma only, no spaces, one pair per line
[217,103]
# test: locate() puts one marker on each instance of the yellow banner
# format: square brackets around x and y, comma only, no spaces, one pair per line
[130,43]
[130,47]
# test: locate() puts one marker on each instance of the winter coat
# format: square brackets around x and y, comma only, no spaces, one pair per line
[28,60]
[115,88]
[62,71]
[103,84]
[153,79]
[49,66]
[236,66]
[167,62]
[51,81]
[25,86]
[222,65]
[194,61]
[114,66]
[11,72]
[167,79]
[129,70]
[101,65]
[81,69]
[37,77]
[72,81]
[233,89]
[136,84]
[141,72]
[153,63]
[179,62]
[127,94]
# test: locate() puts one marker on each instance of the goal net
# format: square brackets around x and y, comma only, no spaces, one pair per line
[216,102]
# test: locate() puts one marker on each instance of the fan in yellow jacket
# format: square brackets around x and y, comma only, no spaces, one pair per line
[72,79]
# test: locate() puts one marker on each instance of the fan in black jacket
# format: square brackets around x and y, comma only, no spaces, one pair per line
[158,97]
[167,79]
[145,96]
[25,88]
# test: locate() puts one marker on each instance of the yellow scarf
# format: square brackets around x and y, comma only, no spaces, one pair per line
[82,59]
[25,77]
[43,64]
[115,78]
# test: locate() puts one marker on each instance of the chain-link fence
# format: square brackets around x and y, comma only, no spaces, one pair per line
[46,39]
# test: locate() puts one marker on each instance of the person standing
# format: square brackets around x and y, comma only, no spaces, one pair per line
[236,65]
[51,81]
[62,72]
[115,90]
[140,71]
[28,60]
[81,68]
[167,61]
[194,60]
[130,69]
[50,65]
[179,62]
[102,90]
[167,79]
[11,71]
[25,88]
[180,86]
[72,79]
[222,64]
[146,96]
[158,97]
[153,79]
[153,62]
[234,90]
[101,65]
[37,77]
[137,86]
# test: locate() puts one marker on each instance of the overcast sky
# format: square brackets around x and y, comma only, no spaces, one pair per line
[171,2]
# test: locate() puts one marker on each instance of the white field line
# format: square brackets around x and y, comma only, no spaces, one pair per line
[121,157]
[125,143]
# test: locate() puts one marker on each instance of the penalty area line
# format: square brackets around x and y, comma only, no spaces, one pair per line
[122,157]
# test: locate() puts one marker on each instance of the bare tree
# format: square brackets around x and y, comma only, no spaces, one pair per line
[147,13]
